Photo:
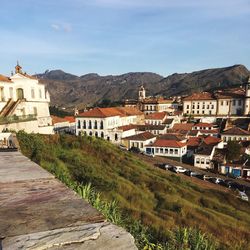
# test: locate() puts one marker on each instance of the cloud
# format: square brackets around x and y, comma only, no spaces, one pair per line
[66,27]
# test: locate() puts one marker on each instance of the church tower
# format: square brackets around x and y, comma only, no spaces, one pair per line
[18,68]
[247,97]
[142,93]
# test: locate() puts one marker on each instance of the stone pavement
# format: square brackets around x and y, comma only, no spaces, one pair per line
[37,211]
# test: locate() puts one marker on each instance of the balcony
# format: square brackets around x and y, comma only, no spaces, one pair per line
[16,119]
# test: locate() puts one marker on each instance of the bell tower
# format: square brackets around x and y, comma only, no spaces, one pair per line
[18,68]
[247,97]
[141,93]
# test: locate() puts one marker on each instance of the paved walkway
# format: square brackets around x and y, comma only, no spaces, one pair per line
[39,212]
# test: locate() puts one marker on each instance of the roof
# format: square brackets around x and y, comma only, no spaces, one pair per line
[236,131]
[168,143]
[204,124]
[156,101]
[194,141]
[173,136]
[168,121]
[208,131]
[193,132]
[156,116]
[211,140]
[109,112]
[230,93]
[205,150]
[56,119]
[183,126]
[199,96]
[140,137]
[219,155]
[4,79]
[127,127]
[150,127]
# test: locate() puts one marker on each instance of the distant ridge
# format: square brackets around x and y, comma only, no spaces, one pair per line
[69,90]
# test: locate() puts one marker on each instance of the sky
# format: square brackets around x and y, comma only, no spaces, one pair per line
[119,36]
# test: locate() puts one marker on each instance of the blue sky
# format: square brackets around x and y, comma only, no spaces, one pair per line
[119,36]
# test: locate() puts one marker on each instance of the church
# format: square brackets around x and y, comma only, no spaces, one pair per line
[24,103]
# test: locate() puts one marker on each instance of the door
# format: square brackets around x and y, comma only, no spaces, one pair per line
[19,93]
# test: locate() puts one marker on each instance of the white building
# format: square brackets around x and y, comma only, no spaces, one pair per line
[105,122]
[24,103]
[235,134]
[168,148]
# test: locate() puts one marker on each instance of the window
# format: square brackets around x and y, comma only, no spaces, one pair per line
[171,151]
[102,135]
[207,161]
[116,137]
[198,160]
[207,106]
[203,112]
[176,151]
[239,102]
[157,150]
[234,102]
[84,124]
[198,106]
[11,92]
[221,103]
[203,106]
[187,106]
[161,150]
[212,107]
[202,160]
[78,124]
[141,145]
[32,93]
[166,150]
[95,126]
[96,134]
[101,125]
[198,112]
[90,133]
[227,103]
[40,93]
[90,125]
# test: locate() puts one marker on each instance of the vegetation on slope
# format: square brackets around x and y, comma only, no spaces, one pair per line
[163,202]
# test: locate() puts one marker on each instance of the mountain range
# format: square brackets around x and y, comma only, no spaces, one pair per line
[68,90]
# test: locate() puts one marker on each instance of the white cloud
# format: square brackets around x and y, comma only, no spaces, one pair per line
[55,26]
[66,27]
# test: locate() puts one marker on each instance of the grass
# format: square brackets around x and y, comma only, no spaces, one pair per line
[159,208]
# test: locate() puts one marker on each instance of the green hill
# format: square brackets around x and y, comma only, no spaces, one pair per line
[159,199]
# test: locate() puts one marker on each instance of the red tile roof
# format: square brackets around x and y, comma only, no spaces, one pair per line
[183,126]
[236,131]
[168,143]
[211,140]
[140,137]
[4,79]
[156,116]
[204,124]
[56,119]
[127,127]
[200,96]
[109,112]
[194,141]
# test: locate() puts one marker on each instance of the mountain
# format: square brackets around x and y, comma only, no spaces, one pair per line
[69,90]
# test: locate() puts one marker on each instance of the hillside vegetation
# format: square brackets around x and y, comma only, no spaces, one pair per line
[162,201]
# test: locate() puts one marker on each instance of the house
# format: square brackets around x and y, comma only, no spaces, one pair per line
[234,101]
[24,104]
[105,122]
[139,140]
[154,129]
[236,169]
[204,154]
[156,118]
[7,141]
[235,134]
[169,148]
[150,105]
[65,124]
[181,128]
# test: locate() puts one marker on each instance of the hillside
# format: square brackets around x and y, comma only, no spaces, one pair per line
[69,90]
[159,199]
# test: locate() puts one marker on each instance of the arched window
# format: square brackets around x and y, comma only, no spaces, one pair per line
[96,134]
[90,133]
[101,125]
[84,124]
[102,134]
[116,137]
[32,93]
[19,93]
[95,126]
[79,124]
[90,124]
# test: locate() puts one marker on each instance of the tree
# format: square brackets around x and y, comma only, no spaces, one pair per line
[233,150]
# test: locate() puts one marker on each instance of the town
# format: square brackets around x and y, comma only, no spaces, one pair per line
[199,129]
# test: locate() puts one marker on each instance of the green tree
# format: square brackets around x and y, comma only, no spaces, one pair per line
[233,150]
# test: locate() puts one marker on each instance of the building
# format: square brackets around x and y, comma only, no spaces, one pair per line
[168,148]
[235,134]
[107,122]
[24,103]
[139,140]
[235,101]
[65,124]
[150,105]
